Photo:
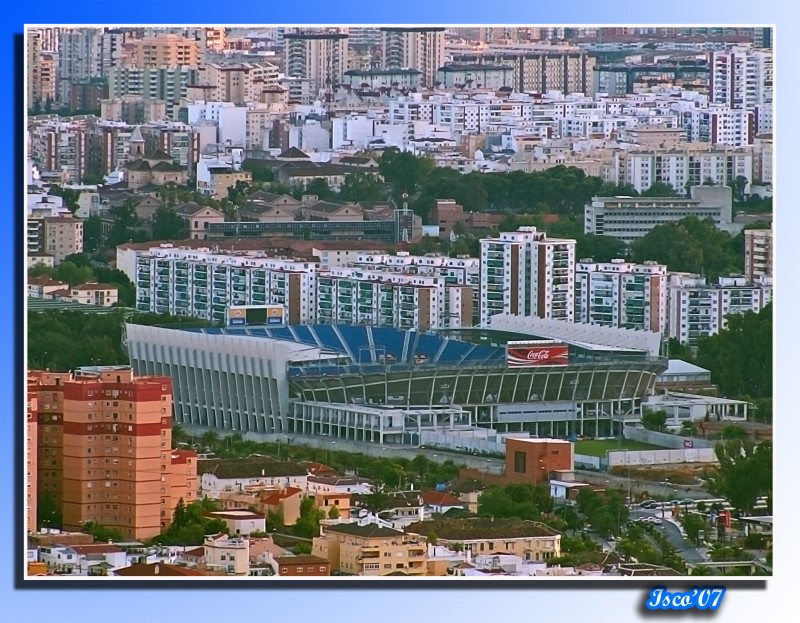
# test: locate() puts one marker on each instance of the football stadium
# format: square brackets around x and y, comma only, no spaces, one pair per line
[389,386]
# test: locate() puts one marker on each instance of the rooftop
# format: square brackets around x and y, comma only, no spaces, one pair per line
[479,528]
[369,531]
[262,467]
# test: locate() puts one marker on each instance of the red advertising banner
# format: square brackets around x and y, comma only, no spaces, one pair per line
[522,356]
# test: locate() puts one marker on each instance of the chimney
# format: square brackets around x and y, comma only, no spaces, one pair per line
[155,570]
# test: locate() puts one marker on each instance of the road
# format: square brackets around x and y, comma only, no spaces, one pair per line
[673,534]
[638,486]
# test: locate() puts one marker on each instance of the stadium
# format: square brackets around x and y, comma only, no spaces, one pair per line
[389,386]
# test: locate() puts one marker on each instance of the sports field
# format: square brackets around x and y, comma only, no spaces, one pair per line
[599,447]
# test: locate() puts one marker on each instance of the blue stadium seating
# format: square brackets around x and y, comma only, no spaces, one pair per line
[390,340]
[357,340]
[327,335]
[304,335]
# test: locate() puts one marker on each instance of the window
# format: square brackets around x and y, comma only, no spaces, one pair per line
[520,462]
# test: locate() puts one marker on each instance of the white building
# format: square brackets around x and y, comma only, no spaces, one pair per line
[241,522]
[203,284]
[631,218]
[697,308]
[621,294]
[319,56]
[390,299]
[230,119]
[528,274]
[719,125]
[680,167]
[743,79]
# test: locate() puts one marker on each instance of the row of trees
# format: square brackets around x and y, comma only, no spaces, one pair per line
[190,525]
[65,340]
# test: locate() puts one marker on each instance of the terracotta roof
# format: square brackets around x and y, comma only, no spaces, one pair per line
[99,548]
[274,498]
[157,569]
[197,552]
[44,281]
[95,286]
[437,498]
[317,469]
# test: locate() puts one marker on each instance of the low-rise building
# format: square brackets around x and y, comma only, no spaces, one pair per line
[219,476]
[371,550]
[240,522]
[302,566]
[530,540]
[227,555]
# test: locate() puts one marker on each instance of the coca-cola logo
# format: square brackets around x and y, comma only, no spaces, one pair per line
[538,355]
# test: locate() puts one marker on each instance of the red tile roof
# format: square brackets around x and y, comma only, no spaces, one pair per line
[157,569]
[437,498]
[98,548]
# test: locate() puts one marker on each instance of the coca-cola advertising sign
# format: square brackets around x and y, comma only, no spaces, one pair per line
[523,355]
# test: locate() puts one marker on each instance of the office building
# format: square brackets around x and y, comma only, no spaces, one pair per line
[698,308]
[631,218]
[105,452]
[527,274]
[620,294]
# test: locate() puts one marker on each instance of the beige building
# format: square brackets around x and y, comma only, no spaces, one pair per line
[165,50]
[196,219]
[227,555]
[63,236]
[237,82]
[530,540]
[372,550]
[758,253]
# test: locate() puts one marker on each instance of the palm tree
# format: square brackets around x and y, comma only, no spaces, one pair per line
[178,435]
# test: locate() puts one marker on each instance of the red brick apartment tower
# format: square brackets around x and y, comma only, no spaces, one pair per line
[117,440]
[31,451]
[104,449]
[532,460]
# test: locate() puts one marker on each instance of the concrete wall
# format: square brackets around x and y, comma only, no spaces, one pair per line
[661,457]
[428,438]
[663,439]
[590,462]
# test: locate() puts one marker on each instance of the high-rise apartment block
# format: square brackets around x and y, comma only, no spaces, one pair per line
[203,284]
[238,83]
[319,56]
[105,449]
[390,299]
[63,236]
[61,147]
[528,274]
[622,295]
[166,50]
[758,253]
[697,308]
[743,79]
[168,83]
[31,457]
[415,48]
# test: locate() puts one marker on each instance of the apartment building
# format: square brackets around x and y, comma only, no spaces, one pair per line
[681,167]
[105,452]
[178,140]
[165,50]
[371,550]
[133,109]
[529,540]
[621,294]
[758,253]
[98,294]
[167,83]
[109,146]
[227,555]
[416,48]
[203,284]
[390,299]
[743,79]
[719,126]
[528,274]
[215,175]
[237,82]
[319,56]
[698,308]
[31,456]
[631,218]
[762,159]
[60,147]
[63,236]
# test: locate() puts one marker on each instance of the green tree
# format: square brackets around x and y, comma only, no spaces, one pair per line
[92,234]
[48,513]
[654,420]
[319,187]
[302,548]
[432,539]
[361,187]
[102,533]
[333,512]
[660,189]
[68,195]
[693,524]
[744,472]
[69,273]
[308,524]
[167,225]
[405,172]
[734,432]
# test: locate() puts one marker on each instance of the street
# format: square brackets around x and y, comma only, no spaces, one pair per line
[670,530]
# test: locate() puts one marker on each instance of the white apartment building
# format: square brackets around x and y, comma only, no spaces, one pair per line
[527,274]
[203,284]
[166,83]
[454,270]
[390,299]
[762,159]
[230,119]
[698,309]
[719,126]
[758,253]
[621,294]
[679,167]
[631,218]
[60,147]
[743,79]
